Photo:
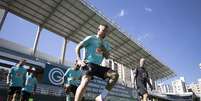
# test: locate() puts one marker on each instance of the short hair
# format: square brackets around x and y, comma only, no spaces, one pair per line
[22,60]
[106,26]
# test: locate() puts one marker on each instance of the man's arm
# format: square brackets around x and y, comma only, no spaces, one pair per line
[9,76]
[149,82]
[79,61]
[35,86]
[66,76]
[24,77]
[106,54]
[135,77]
[78,48]
[106,50]
[82,44]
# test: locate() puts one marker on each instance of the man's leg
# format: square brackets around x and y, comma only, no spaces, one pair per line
[84,82]
[24,96]
[10,94]
[67,89]
[145,97]
[10,97]
[113,77]
[16,96]
[141,98]
[68,97]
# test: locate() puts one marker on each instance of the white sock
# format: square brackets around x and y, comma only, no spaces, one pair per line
[104,93]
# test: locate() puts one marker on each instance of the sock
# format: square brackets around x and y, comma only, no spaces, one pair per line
[104,93]
[68,97]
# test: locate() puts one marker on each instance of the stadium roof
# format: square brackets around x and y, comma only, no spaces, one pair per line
[76,19]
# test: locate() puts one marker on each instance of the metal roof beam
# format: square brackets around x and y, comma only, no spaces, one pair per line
[51,13]
[82,25]
[127,54]
[121,45]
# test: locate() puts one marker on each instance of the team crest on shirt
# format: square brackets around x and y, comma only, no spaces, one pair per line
[18,74]
[99,51]
[29,81]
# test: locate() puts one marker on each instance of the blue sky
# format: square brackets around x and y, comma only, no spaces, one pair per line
[170,29]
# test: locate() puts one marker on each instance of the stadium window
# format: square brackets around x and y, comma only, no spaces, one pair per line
[18,30]
[50,43]
[70,56]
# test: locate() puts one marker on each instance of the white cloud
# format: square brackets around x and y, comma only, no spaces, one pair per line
[148,9]
[121,13]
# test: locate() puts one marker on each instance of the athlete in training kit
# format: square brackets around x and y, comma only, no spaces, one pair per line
[30,86]
[96,49]
[142,79]
[72,79]
[15,80]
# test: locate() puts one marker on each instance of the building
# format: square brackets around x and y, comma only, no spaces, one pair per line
[164,88]
[179,86]
[195,87]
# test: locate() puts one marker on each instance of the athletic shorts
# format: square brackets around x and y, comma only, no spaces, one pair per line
[141,88]
[92,69]
[12,90]
[25,95]
[141,91]
[73,89]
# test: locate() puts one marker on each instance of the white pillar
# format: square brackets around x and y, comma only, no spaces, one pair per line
[123,73]
[3,14]
[37,40]
[132,77]
[63,52]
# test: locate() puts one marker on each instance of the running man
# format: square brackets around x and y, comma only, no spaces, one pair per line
[96,49]
[72,79]
[15,80]
[30,86]
[142,78]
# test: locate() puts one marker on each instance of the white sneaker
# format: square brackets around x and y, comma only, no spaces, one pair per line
[99,98]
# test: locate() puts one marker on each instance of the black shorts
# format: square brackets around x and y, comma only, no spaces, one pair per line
[92,69]
[73,89]
[141,91]
[12,90]
[141,87]
[25,95]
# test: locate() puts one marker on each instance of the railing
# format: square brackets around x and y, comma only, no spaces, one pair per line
[28,51]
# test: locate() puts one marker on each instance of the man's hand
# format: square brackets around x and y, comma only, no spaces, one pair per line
[66,88]
[75,78]
[106,54]
[80,63]
[151,88]
[33,93]
[135,87]
[7,84]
